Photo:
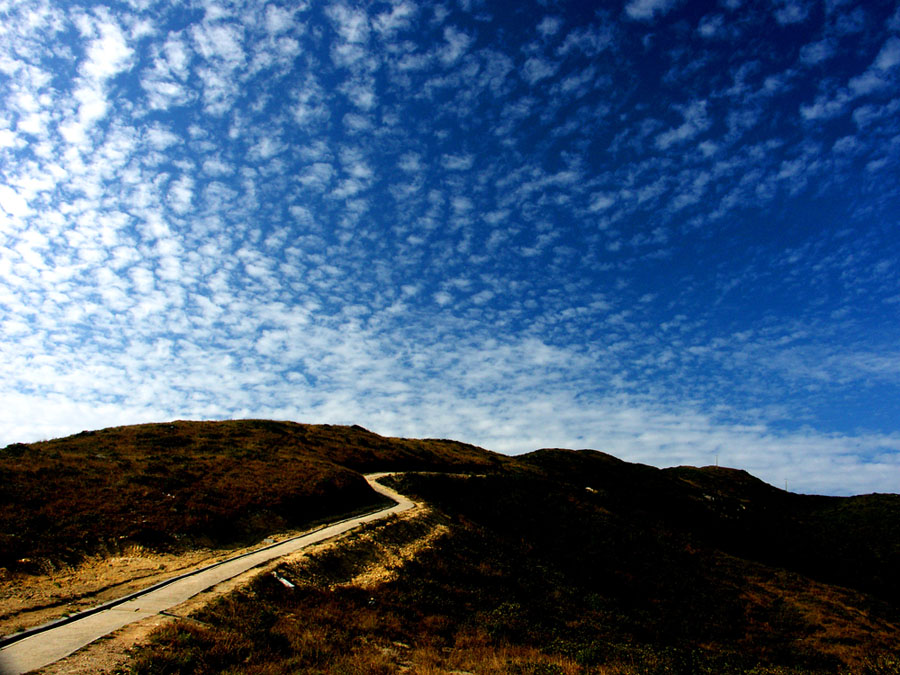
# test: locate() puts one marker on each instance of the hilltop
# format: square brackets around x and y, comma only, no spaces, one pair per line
[557,561]
[173,485]
[90,517]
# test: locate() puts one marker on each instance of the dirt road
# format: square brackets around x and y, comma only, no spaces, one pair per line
[47,645]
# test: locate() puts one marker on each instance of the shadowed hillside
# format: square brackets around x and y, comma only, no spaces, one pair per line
[852,541]
[530,573]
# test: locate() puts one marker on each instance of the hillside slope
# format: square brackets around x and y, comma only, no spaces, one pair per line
[850,541]
[530,574]
[557,561]
[175,485]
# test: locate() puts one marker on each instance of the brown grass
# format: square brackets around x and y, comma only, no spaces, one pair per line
[187,484]
[520,570]
[475,599]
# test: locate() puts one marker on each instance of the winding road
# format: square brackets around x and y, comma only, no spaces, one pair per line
[47,644]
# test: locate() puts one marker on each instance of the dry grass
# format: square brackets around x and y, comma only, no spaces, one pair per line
[474,652]
[451,591]
[823,619]
[370,557]
[192,484]
[522,570]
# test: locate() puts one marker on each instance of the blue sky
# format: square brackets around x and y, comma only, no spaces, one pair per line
[663,229]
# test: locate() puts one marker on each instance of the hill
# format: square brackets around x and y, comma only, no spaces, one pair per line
[527,573]
[166,486]
[557,561]
[851,541]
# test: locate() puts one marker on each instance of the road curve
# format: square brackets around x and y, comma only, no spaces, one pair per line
[44,645]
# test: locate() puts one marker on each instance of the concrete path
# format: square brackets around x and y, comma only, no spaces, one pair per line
[48,644]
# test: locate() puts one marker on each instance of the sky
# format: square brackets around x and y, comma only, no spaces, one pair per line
[663,229]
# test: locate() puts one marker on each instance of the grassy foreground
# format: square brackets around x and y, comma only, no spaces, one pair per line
[530,575]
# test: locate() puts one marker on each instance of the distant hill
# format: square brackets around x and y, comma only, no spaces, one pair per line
[852,541]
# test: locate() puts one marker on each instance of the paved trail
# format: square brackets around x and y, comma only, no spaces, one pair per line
[51,644]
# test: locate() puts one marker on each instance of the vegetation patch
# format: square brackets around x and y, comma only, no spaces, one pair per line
[528,576]
[185,484]
[553,562]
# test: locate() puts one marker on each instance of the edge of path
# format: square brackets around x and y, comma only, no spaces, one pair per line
[402,503]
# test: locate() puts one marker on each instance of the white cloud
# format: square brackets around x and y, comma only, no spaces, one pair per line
[311,107]
[826,108]
[461,204]
[411,162]
[355,163]
[711,25]
[218,196]
[601,201]
[876,78]
[163,94]
[361,93]
[869,82]
[497,67]
[790,11]
[13,203]
[266,148]
[351,24]
[590,40]
[456,43]
[176,57]
[181,194]
[848,145]
[646,9]
[220,43]
[889,56]
[414,62]
[350,55]
[161,138]
[817,52]
[278,19]
[216,167]
[219,90]
[357,123]
[108,54]
[549,26]
[398,18]
[537,69]
[317,176]
[696,121]
[8,139]
[458,162]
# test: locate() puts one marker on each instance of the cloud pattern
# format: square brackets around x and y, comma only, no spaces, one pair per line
[662,229]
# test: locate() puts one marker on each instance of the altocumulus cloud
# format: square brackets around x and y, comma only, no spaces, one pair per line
[516,228]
